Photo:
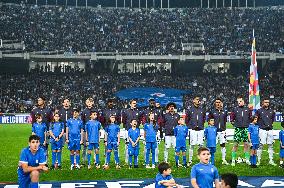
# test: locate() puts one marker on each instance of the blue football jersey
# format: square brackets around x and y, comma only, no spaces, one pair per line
[205,174]
[112,131]
[254,133]
[93,129]
[180,133]
[151,131]
[160,177]
[210,134]
[56,128]
[39,129]
[74,128]
[31,159]
[134,134]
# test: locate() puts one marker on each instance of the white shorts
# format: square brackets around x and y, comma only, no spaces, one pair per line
[170,141]
[196,137]
[221,137]
[126,136]
[84,138]
[266,137]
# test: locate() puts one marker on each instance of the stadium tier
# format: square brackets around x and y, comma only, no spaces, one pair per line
[70,29]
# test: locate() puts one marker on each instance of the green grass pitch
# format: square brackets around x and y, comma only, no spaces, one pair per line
[14,137]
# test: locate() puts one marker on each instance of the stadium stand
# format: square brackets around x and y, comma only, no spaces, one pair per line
[70,29]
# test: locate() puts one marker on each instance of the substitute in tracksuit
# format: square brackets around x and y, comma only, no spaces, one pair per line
[266,117]
[240,118]
[195,119]
[85,117]
[65,113]
[169,122]
[220,119]
[110,110]
[127,116]
[152,109]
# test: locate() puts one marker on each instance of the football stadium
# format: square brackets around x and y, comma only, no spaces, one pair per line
[141,93]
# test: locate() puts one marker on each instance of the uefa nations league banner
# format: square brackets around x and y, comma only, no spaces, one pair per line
[161,95]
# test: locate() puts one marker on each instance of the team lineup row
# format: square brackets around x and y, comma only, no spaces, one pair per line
[195,118]
[251,130]
[90,137]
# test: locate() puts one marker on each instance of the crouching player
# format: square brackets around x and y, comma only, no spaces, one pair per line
[180,133]
[74,138]
[112,140]
[133,146]
[32,162]
[93,127]
[164,177]
[56,131]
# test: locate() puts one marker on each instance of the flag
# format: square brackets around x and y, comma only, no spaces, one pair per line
[254,98]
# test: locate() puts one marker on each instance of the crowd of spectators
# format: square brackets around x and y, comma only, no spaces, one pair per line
[19,92]
[161,31]
[74,30]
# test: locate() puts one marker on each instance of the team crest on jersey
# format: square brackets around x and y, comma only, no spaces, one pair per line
[212,170]
[158,94]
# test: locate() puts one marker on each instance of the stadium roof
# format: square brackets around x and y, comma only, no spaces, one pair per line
[156,3]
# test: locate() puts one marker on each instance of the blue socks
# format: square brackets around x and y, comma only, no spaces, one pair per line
[177,159]
[116,156]
[184,160]
[78,159]
[34,185]
[108,157]
[147,156]
[59,157]
[253,159]
[89,158]
[97,159]
[72,159]
[213,158]
[153,156]
[135,160]
[130,160]
[53,158]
